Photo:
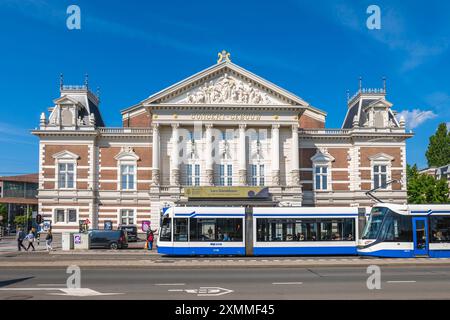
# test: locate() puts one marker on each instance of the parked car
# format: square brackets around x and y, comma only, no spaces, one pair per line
[108,239]
[132,234]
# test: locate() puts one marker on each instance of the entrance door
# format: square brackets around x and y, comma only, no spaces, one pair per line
[420,236]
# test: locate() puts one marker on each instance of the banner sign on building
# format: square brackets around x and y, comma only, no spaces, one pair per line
[145,225]
[227,192]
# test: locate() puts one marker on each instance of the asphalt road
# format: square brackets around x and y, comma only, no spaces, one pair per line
[430,282]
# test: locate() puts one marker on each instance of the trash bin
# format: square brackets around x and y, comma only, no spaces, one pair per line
[81,241]
[67,241]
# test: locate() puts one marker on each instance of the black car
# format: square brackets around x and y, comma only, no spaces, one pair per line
[132,234]
[108,239]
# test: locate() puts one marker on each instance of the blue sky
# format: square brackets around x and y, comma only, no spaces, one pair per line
[132,49]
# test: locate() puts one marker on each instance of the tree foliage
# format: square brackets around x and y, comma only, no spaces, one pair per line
[424,188]
[438,152]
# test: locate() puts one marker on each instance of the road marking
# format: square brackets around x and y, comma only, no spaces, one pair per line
[399,281]
[77,292]
[286,283]
[205,291]
[170,284]
[51,285]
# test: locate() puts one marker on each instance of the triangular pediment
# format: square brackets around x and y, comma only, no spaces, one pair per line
[66,100]
[225,84]
[66,155]
[381,157]
[322,156]
[127,154]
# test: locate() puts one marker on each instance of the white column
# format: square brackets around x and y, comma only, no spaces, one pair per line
[174,156]
[242,156]
[295,170]
[276,154]
[156,174]
[208,155]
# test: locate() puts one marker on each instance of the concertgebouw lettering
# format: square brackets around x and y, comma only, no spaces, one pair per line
[223,117]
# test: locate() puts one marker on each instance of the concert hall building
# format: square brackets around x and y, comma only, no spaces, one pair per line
[221,137]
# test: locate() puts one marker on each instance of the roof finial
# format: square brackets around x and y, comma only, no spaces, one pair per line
[384,84]
[98,93]
[360,84]
[61,81]
[86,81]
[348,95]
[224,55]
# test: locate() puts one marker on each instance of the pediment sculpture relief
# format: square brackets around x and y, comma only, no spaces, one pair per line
[228,90]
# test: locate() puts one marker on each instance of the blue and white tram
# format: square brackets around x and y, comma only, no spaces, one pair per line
[259,231]
[407,231]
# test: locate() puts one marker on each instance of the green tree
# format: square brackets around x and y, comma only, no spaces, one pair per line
[3,213]
[438,152]
[423,188]
[22,220]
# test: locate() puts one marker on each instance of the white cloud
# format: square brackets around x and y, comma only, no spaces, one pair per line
[448,126]
[416,117]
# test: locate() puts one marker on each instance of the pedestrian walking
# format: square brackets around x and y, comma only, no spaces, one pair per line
[20,236]
[150,239]
[49,240]
[30,237]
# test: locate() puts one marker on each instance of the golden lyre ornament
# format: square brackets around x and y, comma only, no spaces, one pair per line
[224,55]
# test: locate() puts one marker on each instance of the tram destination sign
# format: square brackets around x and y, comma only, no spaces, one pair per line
[226,192]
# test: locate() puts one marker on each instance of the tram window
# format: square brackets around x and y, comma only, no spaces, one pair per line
[373,225]
[396,228]
[219,229]
[269,230]
[440,229]
[180,229]
[166,232]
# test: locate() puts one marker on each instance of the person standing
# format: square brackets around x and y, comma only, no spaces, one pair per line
[150,239]
[30,237]
[20,236]
[49,240]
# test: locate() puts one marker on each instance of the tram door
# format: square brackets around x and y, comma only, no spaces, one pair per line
[420,236]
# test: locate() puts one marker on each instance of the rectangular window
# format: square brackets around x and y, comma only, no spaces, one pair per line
[180,232]
[339,229]
[192,174]
[65,175]
[225,175]
[257,175]
[321,177]
[189,174]
[379,176]
[66,216]
[440,229]
[220,229]
[127,176]
[72,215]
[60,216]
[197,175]
[126,216]
[166,230]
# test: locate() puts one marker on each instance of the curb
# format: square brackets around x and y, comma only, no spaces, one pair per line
[155,264]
